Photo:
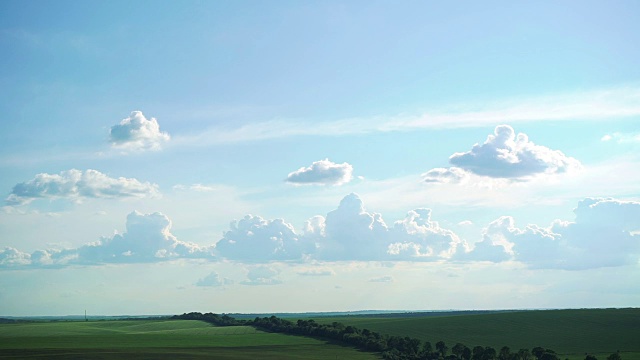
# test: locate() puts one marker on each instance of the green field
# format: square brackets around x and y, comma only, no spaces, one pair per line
[570,333]
[160,339]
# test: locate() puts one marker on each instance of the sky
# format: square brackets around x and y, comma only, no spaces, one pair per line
[161,157]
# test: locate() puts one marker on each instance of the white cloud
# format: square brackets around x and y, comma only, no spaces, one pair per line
[622,138]
[352,233]
[137,133]
[603,235]
[603,104]
[383,279]
[76,185]
[418,238]
[349,232]
[323,172]
[262,275]
[213,280]
[505,155]
[255,239]
[147,238]
[452,175]
[13,257]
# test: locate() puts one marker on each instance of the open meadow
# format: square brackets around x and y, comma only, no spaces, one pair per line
[571,333]
[159,339]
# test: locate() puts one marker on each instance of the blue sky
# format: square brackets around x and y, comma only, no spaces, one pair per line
[318,156]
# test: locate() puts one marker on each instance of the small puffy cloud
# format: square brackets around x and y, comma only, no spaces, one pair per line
[255,239]
[137,133]
[383,279]
[505,155]
[452,175]
[213,280]
[76,185]
[262,275]
[323,172]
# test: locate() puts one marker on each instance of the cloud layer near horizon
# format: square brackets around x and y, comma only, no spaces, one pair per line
[147,239]
[604,234]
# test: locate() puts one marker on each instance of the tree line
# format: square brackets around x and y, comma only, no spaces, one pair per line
[391,347]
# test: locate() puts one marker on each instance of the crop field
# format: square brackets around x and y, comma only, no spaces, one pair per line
[159,339]
[571,333]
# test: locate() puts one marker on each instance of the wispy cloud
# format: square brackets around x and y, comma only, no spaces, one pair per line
[587,105]
[622,138]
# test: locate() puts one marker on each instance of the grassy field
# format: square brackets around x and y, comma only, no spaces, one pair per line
[160,339]
[568,332]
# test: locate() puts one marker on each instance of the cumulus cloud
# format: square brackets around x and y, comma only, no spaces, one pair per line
[419,238]
[136,132]
[452,175]
[147,238]
[323,172]
[352,233]
[262,275]
[76,185]
[505,155]
[213,280]
[13,257]
[255,239]
[602,235]
[349,232]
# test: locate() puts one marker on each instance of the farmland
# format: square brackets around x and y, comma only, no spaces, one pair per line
[571,333]
[157,339]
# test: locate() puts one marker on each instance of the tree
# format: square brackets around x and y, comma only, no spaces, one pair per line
[549,355]
[523,354]
[590,357]
[614,356]
[505,353]
[466,353]
[537,351]
[477,353]
[489,353]
[442,348]
[457,350]
[427,350]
